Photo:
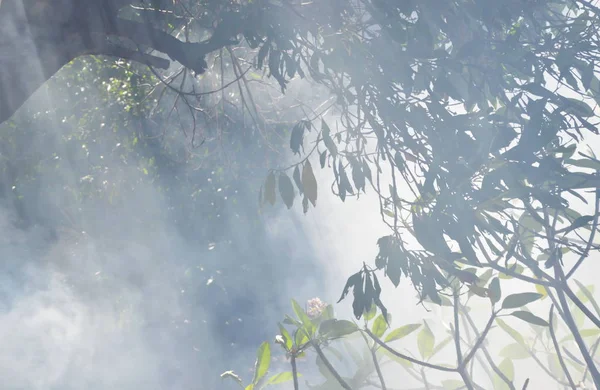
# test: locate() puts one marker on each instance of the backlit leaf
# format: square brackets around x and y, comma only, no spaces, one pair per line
[401,332]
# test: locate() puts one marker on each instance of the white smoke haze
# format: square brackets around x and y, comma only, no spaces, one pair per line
[112,302]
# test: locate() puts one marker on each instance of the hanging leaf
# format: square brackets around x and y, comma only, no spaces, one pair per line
[263,360]
[297,179]
[517,300]
[494,291]
[358,177]
[425,341]
[286,190]
[269,194]
[262,53]
[329,144]
[528,317]
[305,204]
[401,332]
[323,158]
[310,183]
[297,138]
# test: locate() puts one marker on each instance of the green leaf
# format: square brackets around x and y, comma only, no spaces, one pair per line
[337,328]
[300,337]
[425,341]
[379,326]
[588,294]
[452,384]
[303,317]
[441,345]
[508,369]
[263,360]
[517,300]
[518,269]
[371,313]
[494,291]
[286,337]
[514,351]
[282,377]
[585,333]
[286,190]
[310,183]
[401,332]
[249,387]
[528,317]
[511,332]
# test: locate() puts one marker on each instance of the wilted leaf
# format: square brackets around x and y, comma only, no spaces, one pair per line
[286,190]
[528,317]
[263,360]
[517,300]
[231,375]
[401,332]
[310,183]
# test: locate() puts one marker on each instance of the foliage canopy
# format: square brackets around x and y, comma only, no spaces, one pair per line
[463,117]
